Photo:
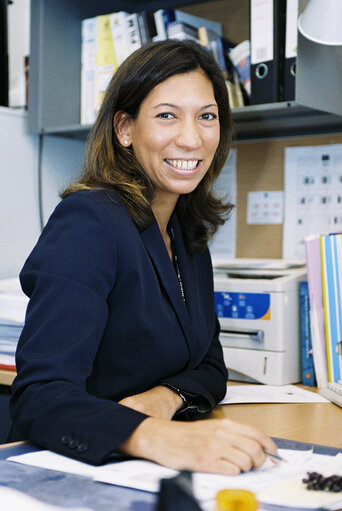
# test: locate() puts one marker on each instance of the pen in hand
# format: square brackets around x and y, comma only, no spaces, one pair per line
[275,456]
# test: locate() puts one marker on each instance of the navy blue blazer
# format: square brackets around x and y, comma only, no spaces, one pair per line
[106,319]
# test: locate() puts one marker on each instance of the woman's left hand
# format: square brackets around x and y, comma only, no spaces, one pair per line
[159,402]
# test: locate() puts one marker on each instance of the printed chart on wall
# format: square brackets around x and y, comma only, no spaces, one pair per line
[313,195]
[222,247]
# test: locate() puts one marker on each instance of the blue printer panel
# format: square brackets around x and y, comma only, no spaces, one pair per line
[243,305]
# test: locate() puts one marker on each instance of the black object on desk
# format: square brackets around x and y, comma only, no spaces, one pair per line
[176,494]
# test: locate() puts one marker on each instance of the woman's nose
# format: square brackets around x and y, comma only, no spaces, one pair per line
[189,135]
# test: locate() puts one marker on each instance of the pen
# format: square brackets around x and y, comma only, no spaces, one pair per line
[275,456]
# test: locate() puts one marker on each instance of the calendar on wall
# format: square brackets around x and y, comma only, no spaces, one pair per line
[313,195]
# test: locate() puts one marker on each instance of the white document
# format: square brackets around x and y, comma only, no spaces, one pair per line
[265,208]
[15,500]
[222,247]
[270,394]
[145,475]
[313,195]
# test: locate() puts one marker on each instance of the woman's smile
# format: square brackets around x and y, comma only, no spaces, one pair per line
[183,164]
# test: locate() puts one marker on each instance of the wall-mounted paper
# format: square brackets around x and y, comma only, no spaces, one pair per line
[265,208]
[313,195]
[222,247]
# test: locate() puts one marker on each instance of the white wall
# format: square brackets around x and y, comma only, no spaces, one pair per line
[19,217]
[62,161]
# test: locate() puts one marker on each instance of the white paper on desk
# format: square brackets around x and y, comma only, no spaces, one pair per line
[13,301]
[14,499]
[145,475]
[270,394]
[54,461]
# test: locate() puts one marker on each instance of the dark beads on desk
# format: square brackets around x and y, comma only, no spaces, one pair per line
[316,481]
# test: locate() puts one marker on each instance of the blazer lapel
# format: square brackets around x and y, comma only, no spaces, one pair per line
[155,246]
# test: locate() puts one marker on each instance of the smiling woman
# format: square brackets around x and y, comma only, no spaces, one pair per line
[174,137]
[121,334]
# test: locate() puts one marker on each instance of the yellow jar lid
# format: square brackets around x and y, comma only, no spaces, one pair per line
[236,500]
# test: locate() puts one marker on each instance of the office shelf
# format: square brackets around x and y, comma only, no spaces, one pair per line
[284,119]
[55,68]
[255,122]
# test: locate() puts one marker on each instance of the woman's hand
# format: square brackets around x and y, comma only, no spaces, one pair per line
[159,402]
[218,446]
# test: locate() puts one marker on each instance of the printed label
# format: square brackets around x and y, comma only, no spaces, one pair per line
[243,305]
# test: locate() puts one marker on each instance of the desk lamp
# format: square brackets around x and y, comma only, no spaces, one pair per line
[319,59]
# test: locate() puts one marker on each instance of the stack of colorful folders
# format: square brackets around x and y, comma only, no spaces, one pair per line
[324,271]
[331,259]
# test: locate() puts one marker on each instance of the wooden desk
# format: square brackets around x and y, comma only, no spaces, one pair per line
[6,377]
[317,423]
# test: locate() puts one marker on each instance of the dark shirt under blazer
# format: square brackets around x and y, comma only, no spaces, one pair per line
[106,319]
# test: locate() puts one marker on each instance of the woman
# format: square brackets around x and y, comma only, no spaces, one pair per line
[121,333]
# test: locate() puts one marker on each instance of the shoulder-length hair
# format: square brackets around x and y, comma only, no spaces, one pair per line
[109,165]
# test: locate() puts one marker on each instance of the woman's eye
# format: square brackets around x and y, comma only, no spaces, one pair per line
[208,116]
[165,115]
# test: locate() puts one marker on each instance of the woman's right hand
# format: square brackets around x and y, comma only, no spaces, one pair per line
[218,446]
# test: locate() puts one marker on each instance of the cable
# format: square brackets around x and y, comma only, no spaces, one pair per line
[40,184]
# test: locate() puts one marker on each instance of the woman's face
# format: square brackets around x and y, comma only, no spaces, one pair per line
[176,133]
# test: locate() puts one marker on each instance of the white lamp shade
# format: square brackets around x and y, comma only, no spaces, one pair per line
[321,22]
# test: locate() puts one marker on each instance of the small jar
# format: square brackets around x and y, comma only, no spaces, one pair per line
[236,500]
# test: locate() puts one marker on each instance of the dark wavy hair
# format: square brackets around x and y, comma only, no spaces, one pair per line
[109,165]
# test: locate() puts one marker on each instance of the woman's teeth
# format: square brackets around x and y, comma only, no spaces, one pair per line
[183,164]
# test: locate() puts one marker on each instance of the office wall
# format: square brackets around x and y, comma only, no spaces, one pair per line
[260,167]
[19,219]
[61,160]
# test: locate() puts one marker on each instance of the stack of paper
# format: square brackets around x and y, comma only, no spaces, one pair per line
[279,485]
[13,305]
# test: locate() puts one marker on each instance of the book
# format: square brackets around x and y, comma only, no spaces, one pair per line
[314,276]
[331,259]
[88,70]
[162,18]
[106,61]
[181,31]
[206,36]
[133,33]
[220,49]
[241,58]
[147,27]
[308,370]
[119,35]
[198,21]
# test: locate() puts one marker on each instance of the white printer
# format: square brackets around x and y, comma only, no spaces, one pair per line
[258,306]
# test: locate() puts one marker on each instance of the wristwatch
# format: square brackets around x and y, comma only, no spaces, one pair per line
[194,405]
[181,393]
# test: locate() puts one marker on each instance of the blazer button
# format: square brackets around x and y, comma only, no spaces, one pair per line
[65,440]
[73,443]
[83,446]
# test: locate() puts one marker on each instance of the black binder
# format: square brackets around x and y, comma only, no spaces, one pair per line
[267,36]
[290,50]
